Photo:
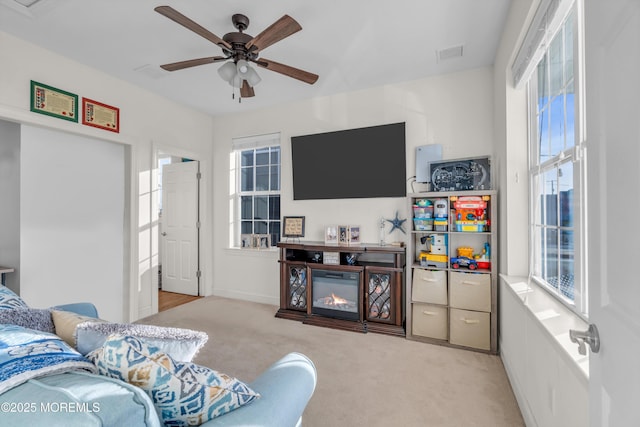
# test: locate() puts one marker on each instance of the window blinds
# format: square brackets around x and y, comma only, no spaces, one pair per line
[545,24]
[257,141]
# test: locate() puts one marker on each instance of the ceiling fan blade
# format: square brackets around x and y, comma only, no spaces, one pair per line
[280,29]
[176,16]
[174,66]
[296,73]
[246,91]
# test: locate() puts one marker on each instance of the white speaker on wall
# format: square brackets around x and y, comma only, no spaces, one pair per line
[425,154]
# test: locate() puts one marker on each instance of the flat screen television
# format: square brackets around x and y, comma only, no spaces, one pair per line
[356,163]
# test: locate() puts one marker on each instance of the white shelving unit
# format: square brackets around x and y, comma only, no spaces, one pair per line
[451,303]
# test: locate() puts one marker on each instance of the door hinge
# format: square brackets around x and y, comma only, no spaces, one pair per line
[198,274]
[199,175]
[198,224]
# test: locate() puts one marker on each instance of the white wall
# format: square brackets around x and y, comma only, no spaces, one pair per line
[454,110]
[10,202]
[147,121]
[72,197]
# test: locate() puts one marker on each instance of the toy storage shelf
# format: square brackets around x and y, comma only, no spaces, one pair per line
[452,300]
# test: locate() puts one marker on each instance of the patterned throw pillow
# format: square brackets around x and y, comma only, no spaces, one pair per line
[179,343]
[9,299]
[184,394]
[32,318]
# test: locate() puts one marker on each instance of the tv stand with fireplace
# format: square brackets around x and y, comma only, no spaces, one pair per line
[356,288]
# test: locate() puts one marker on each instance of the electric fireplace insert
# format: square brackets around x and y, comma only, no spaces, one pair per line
[336,294]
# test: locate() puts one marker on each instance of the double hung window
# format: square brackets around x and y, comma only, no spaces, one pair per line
[257,191]
[557,167]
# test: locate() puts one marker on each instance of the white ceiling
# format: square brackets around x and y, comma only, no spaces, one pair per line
[350,44]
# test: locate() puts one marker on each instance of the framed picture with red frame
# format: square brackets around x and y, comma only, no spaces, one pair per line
[100,115]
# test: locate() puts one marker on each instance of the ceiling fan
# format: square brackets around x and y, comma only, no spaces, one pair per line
[239,49]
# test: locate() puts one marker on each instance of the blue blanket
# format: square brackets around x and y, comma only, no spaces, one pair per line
[26,353]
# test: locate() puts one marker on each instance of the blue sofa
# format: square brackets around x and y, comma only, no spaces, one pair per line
[83,399]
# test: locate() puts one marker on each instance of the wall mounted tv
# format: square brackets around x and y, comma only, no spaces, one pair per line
[356,163]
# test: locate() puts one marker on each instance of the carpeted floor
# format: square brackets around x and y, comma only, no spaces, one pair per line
[363,379]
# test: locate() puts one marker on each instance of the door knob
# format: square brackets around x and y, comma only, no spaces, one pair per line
[590,336]
[164,233]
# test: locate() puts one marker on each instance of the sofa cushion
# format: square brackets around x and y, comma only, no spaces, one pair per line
[32,318]
[88,333]
[9,299]
[184,394]
[66,323]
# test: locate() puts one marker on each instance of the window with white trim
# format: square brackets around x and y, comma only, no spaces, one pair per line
[557,161]
[256,198]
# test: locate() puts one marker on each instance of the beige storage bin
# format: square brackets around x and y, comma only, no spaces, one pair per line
[429,321]
[429,286]
[470,328]
[471,291]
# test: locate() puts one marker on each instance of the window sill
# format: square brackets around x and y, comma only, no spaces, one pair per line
[252,252]
[553,317]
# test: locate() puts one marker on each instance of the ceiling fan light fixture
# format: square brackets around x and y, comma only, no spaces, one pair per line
[252,77]
[227,71]
[236,81]
[243,67]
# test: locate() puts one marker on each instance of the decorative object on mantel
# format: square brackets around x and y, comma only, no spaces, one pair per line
[396,224]
[349,235]
[351,258]
[293,226]
[354,234]
[331,235]
[381,224]
[343,235]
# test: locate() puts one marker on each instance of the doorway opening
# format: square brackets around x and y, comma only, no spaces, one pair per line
[167,300]
[176,207]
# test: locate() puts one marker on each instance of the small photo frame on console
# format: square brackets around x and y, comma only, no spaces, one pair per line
[354,234]
[331,235]
[343,235]
[293,226]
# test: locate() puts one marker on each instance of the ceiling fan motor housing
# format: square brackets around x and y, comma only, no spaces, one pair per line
[238,40]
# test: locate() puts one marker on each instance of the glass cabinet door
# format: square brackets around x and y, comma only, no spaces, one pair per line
[379,288]
[297,287]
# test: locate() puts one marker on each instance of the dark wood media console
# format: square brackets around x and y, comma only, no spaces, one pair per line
[356,288]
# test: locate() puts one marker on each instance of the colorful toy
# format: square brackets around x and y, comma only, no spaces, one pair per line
[433,260]
[465,252]
[471,213]
[440,208]
[463,261]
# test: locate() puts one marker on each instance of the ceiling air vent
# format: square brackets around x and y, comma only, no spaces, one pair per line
[449,53]
[153,71]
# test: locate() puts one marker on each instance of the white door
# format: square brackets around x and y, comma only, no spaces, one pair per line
[179,234]
[612,55]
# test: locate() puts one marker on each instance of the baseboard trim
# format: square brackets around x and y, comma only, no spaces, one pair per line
[262,299]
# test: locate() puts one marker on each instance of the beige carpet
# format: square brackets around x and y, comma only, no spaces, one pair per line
[363,379]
